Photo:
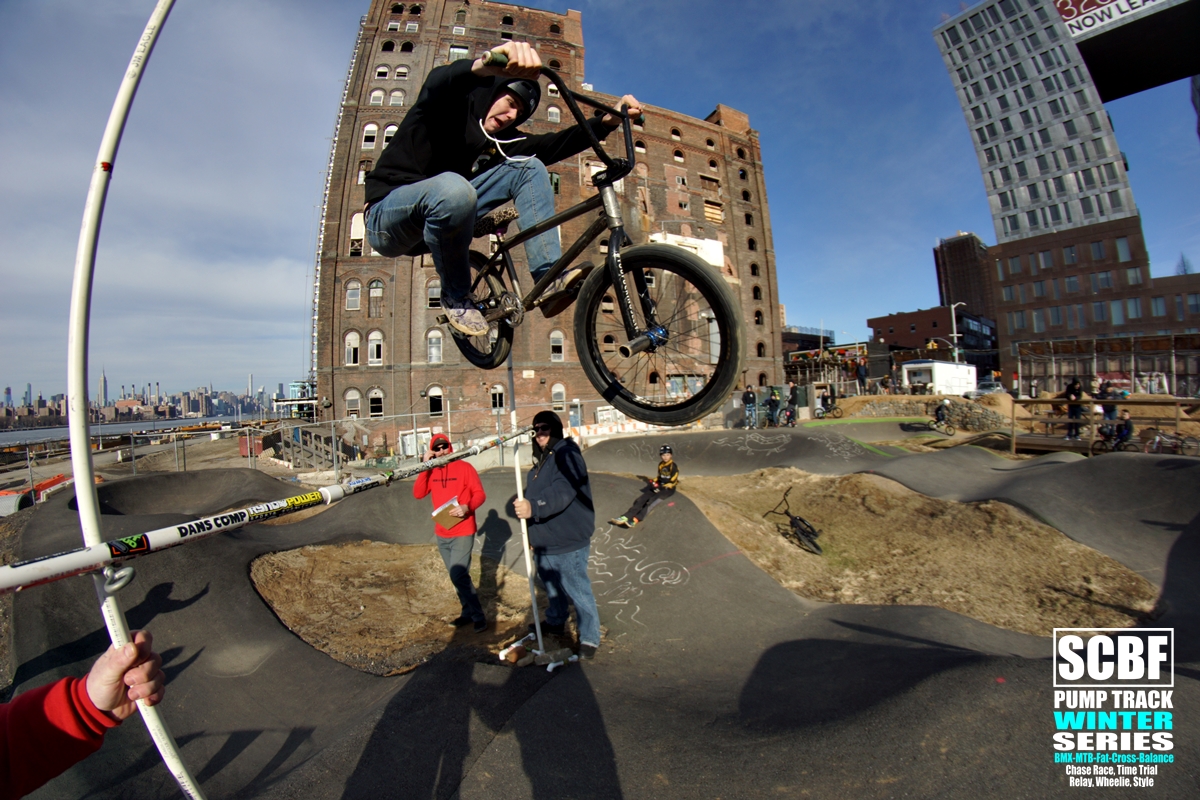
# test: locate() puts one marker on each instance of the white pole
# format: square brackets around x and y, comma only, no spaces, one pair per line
[537,618]
[77,381]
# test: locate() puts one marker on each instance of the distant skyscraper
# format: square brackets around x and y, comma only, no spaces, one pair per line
[102,390]
[250,385]
[963,274]
[8,397]
[28,394]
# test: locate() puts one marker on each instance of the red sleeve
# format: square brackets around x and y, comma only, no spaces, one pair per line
[421,487]
[476,496]
[45,731]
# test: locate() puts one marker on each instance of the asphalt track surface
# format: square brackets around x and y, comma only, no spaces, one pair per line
[714,681]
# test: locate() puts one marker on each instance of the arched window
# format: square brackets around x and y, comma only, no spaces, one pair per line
[555,64]
[552,90]
[745,194]
[762,350]
[554,28]
[396,98]
[742,174]
[375,349]
[506,21]
[762,379]
[460,17]
[606,305]
[433,347]
[358,232]
[353,292]
[675,134]
[401,73]
[415,11]
[710,144]
[388,133]
[558,397]
[749,219]
[758,318]
[712,164]
[364,167]
[754,269]
[756,293]
[497,394]
[434,395]
[377,97]
[751,244]
[433,294]
[609,345]
[553,114]
[375,298]
[353,398]
[741,153]
[388,47]
[381,73]
[407,47]
[375,402]
[352,342]
[557,341]
[654,378]
[639,147]
[397,8]
[679,156]
[370,131]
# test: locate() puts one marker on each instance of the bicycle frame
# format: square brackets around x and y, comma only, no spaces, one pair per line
[606,198]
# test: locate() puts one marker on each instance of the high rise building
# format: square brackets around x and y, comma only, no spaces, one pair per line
[1070,260]
[377,348]
[963,263]
[28,395]
[8,397]
[102,390]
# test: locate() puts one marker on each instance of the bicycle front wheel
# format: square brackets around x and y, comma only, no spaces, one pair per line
[1100,447]
[693,369]
[489,350]
[836,412]
[1190,446]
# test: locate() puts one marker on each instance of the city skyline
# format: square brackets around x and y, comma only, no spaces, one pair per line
[205,258]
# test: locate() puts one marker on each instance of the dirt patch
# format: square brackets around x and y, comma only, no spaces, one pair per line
[385,608]
[887,545]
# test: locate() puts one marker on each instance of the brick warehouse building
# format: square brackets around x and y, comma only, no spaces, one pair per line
[377,349]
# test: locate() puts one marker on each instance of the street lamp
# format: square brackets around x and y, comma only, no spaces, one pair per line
[954,328]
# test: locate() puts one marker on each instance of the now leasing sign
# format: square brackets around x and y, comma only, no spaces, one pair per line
[1087,16]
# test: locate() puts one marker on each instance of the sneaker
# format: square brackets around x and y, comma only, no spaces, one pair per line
[461,621]
[560,294]
[465,318]
[632,522]
[481,625]
[620,521]
[553,630]
[587,652]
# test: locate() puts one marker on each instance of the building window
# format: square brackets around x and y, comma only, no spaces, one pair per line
[353,398]
[1099,311]
[639,147]
[401,73]
[506,21]
[675,134]
[710,144]
[352,342]
[558,397]
[370,131]
[553,114]
[678,154]
[396,98]
[387,47]
[388,133]
[741,153]
[358,232]
[407,47]
[353,292]
[1133,276]
[712,165]
[1133,307]
[552,90]
[714,212]
[1039,321]
[1070,256]
[751,244]
[758,318]
[754,269]
[381,73]
[375,403]
[376,97]
[497,393]
[1071,283]
[375,349]
[433,347]
[555,64]
[433,294]
[1118,312]
[458,52]
[761,350]
[375,298]
[1056,315]
[557,341]
[1193,300]
[756,293]
[434,395]
[1097,251]
[742,174]
[1158,306]
[749,219]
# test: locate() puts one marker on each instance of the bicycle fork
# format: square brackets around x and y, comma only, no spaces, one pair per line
[654,335]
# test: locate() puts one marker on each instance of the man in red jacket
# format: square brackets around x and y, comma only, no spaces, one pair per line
[44,731]
[456,483]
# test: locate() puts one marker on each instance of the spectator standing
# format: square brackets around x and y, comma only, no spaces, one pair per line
[773,408]
[1074,409]
[558,505]
[750,401]
[793,402]
[459,482]
[861,373]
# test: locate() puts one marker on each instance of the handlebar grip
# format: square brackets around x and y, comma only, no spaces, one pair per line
[641,120]
[494,59]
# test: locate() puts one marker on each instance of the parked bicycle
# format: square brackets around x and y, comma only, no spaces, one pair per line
[798,531]
[834,411]
[656,328]
[1165,443]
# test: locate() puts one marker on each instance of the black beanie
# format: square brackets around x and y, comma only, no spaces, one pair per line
[551,419]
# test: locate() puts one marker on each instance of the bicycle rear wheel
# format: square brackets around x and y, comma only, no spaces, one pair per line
[491,349]
[1129,447]
[1100,447]
[694,368]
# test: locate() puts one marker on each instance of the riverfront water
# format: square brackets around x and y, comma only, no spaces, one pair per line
[39,435]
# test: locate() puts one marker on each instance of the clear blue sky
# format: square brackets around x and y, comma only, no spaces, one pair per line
[204,267]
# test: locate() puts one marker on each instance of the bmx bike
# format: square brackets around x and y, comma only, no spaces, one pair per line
[944,428]
[1172,444]
[657,331]
[799,531]
[834,412]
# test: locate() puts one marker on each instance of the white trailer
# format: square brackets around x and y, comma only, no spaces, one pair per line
[937,377]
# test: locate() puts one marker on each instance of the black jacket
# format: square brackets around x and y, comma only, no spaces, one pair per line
[441,133]
[560,496]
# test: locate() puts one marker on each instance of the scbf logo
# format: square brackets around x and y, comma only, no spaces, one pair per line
[1114,657]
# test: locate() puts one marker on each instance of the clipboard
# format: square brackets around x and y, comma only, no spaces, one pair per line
[441,514]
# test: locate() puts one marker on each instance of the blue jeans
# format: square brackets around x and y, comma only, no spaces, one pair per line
[441,212]
[456,554]
[751,416]
[565,577]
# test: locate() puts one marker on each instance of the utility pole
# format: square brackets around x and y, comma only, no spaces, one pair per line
[954,329]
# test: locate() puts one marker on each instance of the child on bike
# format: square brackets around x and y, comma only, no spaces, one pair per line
[941,413]
[1124,430]
[655,492]
[447,166]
